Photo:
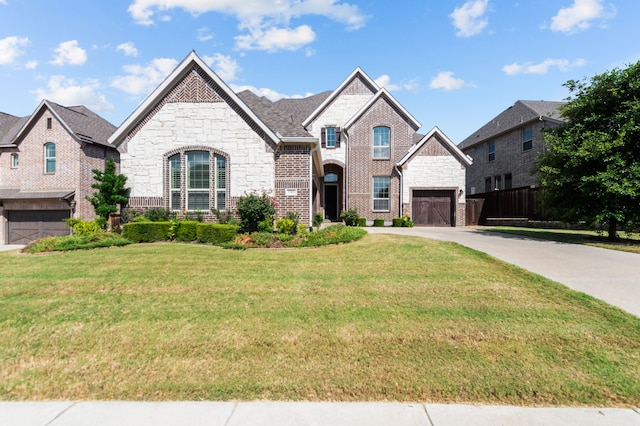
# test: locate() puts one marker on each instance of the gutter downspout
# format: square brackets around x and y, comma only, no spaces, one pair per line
[346,170]
[315,149]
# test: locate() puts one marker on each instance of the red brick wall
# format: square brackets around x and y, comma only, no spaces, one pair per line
[293,172]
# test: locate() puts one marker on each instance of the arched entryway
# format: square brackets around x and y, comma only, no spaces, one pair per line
[333,191]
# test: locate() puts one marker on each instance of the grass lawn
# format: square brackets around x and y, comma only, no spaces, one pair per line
[628,242]
[385,318]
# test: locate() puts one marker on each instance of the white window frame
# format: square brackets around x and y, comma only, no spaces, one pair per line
[217,182]
[381,147]
[15,160]
[49,160]
[376,188]
[330,137]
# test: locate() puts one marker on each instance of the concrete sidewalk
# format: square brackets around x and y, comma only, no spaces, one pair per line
[300,413]
[609,275]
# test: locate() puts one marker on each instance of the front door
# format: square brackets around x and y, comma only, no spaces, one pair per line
[331,202]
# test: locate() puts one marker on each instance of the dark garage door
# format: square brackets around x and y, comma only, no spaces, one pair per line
[433,208]
[29,225]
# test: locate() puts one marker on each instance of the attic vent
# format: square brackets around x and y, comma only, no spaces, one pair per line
[84,138]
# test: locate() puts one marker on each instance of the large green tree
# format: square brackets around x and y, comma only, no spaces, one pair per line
[591,169]
[111,191]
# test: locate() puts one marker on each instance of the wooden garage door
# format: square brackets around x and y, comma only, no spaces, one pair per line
[433,208]
[28,225]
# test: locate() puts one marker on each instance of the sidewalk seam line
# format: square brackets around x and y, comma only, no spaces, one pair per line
[57,416]
[424,407]
[235,405]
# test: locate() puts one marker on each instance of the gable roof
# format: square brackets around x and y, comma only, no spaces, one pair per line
[9,127]
[517,115]
[275,118]
[300,108]
[80,122]
[169,82]
[383,93]
[442,138]
[357,73]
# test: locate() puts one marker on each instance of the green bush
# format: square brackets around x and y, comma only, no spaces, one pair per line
[76,242]
[362,221]
[285,226]
[158,214]
[253,209]
[350,217]
[81,227]
[146,232]
[187,231]
[397,222]
[378,222]
[215,233]
[317,220]
[265,226]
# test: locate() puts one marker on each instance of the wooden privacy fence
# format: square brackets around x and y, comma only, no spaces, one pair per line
[517,203]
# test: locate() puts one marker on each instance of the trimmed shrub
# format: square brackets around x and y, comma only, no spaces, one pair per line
[254,208]
[378,222]
[317,220]
[187,231]
[83,228]
[350,217]
[215,233]
[146,232]
[286,226]
[397,222]
[362,221]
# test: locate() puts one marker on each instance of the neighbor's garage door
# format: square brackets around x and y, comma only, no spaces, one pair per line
[433,208]
[29,225]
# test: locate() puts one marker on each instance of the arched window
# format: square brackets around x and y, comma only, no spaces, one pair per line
[381,142]
[50,157]
[197,180]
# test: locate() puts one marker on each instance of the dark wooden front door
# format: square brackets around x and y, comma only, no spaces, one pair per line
[331,202]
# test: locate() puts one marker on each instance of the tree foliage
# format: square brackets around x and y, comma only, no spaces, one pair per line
[591,169]
[111,191]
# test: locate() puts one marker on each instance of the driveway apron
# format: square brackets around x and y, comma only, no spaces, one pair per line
[609,275]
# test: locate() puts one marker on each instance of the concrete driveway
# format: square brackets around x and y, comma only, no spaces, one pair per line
[609,275]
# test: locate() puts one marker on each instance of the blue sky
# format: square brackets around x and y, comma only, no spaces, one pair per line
[451,63]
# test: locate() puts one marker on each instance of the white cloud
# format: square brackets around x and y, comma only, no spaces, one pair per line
[270,94]
[542,67]
[385,81]
[3,1]
[266,21]
[578,17]
[69,52]
[66,91]
[143,79]
[225,66]
[274,39]
[204,34]
[31,65]
[11,49]
[445,80]
[128,48]
[469,19]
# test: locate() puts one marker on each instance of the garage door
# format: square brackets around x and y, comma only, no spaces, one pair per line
[29,225]
[433,208]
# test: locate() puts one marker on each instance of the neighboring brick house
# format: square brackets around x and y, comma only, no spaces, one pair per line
[505,149]
[46,163]
[194,144]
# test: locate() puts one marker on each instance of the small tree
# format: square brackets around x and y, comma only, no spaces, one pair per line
[111,191]
[591,170]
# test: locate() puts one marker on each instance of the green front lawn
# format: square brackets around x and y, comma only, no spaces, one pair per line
[629,242]
[384,318]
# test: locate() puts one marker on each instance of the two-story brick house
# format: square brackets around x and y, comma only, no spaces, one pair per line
[194,144]
[504,150]
[46,163]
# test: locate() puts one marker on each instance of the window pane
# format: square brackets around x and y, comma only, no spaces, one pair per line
[50,158]
[14,160]
[175,172]
[175,200]
[221,202]
[331,137]
[381,193]
[198,200]
[221,178]
[381,141]
[527,139]
[198,166]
